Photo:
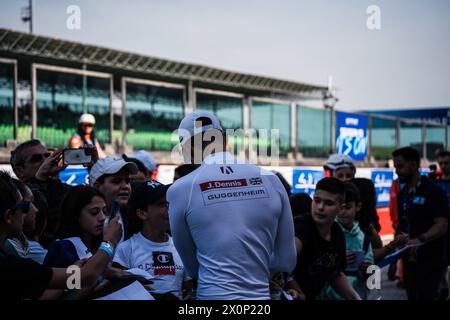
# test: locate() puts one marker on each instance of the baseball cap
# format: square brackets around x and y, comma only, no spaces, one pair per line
[338,160]
[87,118]
[137,162]
[147,192]
[188,128]
[147,159]
[110,165]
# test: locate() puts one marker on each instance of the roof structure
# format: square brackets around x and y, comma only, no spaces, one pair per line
[35,46]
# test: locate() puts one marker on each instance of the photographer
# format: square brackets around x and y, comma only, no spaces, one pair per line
[35,166]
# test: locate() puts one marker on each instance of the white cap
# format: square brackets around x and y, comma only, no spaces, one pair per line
[337,160]
[110,165]
[147,160]
[87,118]
[188,129]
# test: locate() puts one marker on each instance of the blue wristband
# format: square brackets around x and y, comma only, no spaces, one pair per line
[107,250]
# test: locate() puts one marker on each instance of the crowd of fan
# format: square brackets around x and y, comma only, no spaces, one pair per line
[120,222]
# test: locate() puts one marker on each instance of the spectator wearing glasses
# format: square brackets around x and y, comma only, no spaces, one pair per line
[19,246]
[85,135]
[27,158]
[39,169]
[25,279]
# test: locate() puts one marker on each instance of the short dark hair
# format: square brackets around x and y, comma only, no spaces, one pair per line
[284,182]
[351,193]
[8,193]
[17,157]
[300,204]
[41,215]
[138,163]
[185,169]
[205,121]
[443,154]
[21,187]
[332,185]
[408,153]
[74,201]
[134,222]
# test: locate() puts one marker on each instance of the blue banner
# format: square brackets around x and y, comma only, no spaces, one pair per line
[440,115]
[382,179]
[305,180]
[74,176]
[351,135]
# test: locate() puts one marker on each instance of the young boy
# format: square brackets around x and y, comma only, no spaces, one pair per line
[321,242]
[151,247]
[111,176]
[359,250]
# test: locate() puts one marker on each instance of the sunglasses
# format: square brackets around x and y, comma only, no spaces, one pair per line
[38,157]
[23,205]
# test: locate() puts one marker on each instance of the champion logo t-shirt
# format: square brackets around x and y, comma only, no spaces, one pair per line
[159,259]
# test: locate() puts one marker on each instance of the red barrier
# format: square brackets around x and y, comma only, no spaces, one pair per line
[385,221]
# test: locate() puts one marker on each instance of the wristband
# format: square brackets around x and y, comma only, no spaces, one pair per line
[108,248]
[109,245]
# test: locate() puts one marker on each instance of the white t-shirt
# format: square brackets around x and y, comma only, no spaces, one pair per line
[159,259]
[232,224]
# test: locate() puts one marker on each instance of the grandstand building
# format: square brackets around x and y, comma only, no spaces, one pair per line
[138,101]
[46,83]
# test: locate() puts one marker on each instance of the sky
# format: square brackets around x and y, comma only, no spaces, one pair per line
[404,64]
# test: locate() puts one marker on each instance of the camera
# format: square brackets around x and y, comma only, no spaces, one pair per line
[77,156]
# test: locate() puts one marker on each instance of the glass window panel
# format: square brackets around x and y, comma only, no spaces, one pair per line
[314,132]
[228,109]
[411,136]
[435,137]
[61,100]
[152,114]
[383,138]
[273,116]
[6,103]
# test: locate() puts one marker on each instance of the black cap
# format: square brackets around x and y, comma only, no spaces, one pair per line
[147,192]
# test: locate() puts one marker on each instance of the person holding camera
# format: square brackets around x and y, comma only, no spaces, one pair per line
[35,166]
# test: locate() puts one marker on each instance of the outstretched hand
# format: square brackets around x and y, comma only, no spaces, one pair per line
[51,166]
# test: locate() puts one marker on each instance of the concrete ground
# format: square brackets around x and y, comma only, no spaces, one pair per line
[388,290]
